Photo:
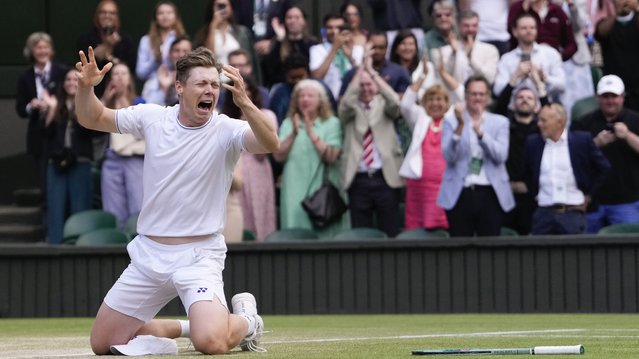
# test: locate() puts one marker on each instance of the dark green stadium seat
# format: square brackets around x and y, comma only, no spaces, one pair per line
[360,233]
[86,221]
[597,74]
[248,236]
[583,107]
[292,234]
[508,232]
[131,225]
[421,233]
[621,228]
[103,236]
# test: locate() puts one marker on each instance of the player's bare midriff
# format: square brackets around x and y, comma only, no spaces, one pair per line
[179,240]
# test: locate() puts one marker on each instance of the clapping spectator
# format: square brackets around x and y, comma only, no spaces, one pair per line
[70,149]
[160,87]
[109,43]
[154,47]
[124,158]
[405,52]
[40,80]
[291,38]
[394,74]
[529,57]
[311,138]
[330,60]
[467,55]
[372,152]
[424,164]
[475,191]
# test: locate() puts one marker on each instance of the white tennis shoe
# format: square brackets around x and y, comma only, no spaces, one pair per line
[244,304]
[146,345]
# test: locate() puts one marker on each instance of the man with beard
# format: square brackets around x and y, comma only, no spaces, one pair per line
[522,114]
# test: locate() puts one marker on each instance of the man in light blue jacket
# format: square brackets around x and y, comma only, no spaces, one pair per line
[475,190]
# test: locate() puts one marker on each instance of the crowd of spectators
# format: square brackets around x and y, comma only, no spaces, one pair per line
[464,126]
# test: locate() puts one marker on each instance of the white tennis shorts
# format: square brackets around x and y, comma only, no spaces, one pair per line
[160,272]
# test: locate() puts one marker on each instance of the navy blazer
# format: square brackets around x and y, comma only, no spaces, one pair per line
[25,92]
[589,165]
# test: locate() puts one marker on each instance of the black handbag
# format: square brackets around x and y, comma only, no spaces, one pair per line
[325,206]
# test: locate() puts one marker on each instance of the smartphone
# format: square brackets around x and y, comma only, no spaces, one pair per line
[108,30]
[219,7]
[525,56]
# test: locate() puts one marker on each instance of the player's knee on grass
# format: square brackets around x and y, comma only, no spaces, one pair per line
[210,344]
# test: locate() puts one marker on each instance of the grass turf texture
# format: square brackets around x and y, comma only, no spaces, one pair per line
[364,336]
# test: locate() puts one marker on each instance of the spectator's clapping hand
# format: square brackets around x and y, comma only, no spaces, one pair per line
[51,101]
[452,40]
[522,71]
[278,28]
[296,123]
[459,110]
[165,77]
[88,72]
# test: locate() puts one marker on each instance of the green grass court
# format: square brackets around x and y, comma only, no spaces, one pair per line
[365,336]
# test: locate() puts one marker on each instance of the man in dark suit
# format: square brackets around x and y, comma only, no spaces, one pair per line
[34,85]
[564,169]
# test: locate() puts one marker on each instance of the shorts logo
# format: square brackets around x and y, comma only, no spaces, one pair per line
[202,290]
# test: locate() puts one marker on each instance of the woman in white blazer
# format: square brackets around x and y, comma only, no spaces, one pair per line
[424,164]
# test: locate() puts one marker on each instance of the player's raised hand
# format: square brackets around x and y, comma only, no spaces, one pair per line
[236,86]
[88,72]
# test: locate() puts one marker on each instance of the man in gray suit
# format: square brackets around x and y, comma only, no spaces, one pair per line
[372,154]
[475,190]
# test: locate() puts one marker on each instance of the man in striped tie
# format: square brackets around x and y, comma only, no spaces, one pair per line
[372,154]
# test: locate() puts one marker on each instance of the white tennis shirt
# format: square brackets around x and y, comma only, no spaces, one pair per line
[187,170]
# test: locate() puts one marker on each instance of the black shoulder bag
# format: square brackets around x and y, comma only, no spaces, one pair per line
[324,206]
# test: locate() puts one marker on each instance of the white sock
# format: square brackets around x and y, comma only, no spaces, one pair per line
[185,329]
[251,323]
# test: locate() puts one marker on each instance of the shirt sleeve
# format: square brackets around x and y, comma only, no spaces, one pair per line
[129,120]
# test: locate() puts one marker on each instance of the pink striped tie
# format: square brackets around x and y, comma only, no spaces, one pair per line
[368,148]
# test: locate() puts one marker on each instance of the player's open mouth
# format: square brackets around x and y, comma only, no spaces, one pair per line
[205,105]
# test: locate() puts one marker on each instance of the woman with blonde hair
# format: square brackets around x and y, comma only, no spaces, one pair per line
[39,81]
[153,50]
[311,142]
[124,158]
[424,164]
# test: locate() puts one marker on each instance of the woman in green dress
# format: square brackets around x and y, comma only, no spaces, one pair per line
[310,139]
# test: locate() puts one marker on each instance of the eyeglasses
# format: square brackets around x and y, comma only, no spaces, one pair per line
[107,12]
[351,14]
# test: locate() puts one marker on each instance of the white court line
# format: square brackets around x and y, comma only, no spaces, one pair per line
[449,335]
[547,333]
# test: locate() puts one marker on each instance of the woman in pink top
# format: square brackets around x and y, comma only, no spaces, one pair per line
[424,165]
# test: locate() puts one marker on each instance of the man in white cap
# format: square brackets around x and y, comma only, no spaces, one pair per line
[615,131]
